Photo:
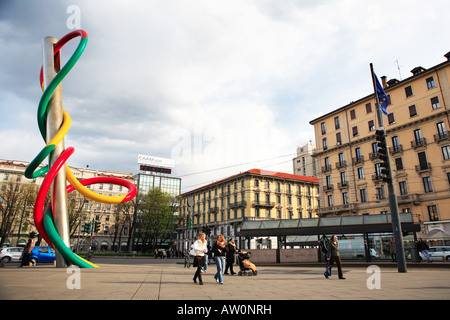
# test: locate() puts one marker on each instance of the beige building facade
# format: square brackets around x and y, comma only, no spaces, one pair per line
[256,194]
[103,213]
[417,127]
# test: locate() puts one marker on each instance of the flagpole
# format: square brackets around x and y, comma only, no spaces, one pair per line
[393,204]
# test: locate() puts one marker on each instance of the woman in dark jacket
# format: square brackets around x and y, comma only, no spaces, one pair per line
[333,255]
[231,255]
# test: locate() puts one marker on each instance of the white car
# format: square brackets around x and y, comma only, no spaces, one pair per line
[438,253]
[10,254]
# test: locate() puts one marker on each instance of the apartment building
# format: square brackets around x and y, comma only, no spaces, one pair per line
[12,171]
[304,163]
[417,126]
[256,194]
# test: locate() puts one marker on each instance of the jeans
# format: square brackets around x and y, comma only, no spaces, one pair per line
[205,266]
[427,255]
[220,264]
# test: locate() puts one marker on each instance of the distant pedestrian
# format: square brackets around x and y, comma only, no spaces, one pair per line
[324,249]
[230,257]
[392,250]
[422,247]
[198,251]
[26,254]
[219,248]
[333,256]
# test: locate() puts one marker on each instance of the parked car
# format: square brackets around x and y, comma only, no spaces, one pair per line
[43,254]
[438,253]
[11,254]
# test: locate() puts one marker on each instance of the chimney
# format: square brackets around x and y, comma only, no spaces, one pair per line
[384,82]
[447,55]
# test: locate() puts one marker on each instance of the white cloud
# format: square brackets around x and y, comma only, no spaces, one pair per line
[210,83]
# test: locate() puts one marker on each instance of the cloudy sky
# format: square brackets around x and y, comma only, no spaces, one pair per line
[219,86]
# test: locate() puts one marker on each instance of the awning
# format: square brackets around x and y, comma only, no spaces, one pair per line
[327,225]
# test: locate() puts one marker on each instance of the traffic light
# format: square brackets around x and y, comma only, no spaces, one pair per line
[96,226]
[87,227]
[381,144]
[206,230]
[383,156]
[190,222]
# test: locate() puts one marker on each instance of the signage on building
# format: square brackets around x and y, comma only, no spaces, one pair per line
[156,161]
[144,167]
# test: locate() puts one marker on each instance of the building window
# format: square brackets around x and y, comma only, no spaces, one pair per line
[324,144]
[427,186]
[380,193]
[399,163]
[337,125]
[355,131]
[329,185]
[446,152]
[368,107]
[371,125]
[412,111]
[363,195]
[435,103]
[361,173]
[345,197]
[430,83]
[442,132]
[391,118]
[343,178]
[330,200]
[432,213]
[338,139]
[352,114]
[403,188]
[408,91]
[323,128]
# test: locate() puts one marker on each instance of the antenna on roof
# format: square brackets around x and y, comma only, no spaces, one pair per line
[398,67]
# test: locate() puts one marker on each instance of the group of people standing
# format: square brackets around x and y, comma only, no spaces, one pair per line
[224,257]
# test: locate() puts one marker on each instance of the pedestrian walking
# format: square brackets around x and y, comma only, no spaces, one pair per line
[392,250]
[198,250]
[230,257]
[25,259]
[324,248]
[219,248]
[333,256]
[422,247]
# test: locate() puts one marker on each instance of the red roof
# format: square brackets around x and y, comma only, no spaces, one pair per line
[265,173]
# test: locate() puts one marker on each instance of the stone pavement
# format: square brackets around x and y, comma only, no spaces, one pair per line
[149,279]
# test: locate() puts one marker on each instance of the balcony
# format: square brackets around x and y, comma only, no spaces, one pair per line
[328,188]
[341,164]
[258,204]
[358,160]
[441,136]
[342,185]
[418,143]
[326,168]
[238,204]
[213,210]
[422,168]
[396,149]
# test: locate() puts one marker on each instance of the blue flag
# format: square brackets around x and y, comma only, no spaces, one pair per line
[382,97]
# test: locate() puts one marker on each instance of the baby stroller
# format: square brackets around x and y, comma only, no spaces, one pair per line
[246,267]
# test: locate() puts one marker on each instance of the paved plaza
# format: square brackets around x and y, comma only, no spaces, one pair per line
[150,279]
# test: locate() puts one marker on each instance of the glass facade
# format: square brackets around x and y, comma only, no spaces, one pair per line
[170,185]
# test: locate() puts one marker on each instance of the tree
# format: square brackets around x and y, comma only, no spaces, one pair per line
[154,219]
[15,201]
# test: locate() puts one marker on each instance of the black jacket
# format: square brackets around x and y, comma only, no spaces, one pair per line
[219,251]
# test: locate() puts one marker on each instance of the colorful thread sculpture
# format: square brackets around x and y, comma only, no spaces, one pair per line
[44,220]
